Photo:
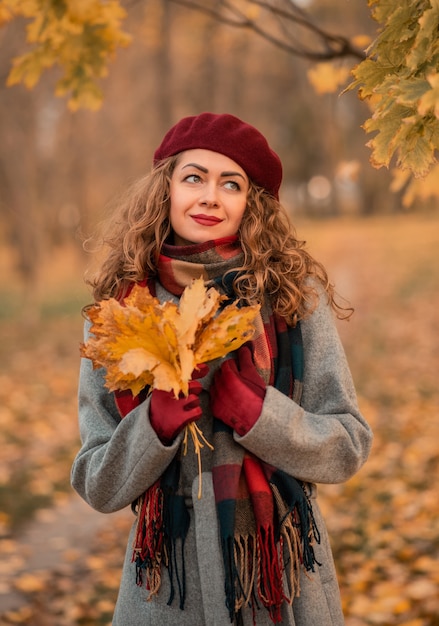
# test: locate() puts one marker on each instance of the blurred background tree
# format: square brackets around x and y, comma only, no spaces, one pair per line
[278,64]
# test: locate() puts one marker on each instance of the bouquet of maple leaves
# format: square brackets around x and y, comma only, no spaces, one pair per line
[144,343]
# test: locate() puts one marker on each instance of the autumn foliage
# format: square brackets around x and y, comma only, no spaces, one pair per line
[400,81]
[78,37]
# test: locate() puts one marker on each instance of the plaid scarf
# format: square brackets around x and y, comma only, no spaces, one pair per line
[265,518]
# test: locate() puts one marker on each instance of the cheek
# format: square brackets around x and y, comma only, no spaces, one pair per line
[174,209]
[240,215]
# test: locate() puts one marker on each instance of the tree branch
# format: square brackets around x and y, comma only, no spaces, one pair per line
[332,46]
[343,47]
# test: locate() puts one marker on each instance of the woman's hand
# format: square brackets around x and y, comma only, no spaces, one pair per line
[237,392]
[169,415]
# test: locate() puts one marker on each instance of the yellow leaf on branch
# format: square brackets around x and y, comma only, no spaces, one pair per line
[79,37]
[6,14]
[328,77]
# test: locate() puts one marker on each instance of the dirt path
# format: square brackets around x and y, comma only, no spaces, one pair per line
[45,544]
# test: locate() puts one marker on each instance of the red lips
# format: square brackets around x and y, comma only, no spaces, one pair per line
[206,220]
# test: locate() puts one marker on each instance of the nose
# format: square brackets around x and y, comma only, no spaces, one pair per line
[209,197]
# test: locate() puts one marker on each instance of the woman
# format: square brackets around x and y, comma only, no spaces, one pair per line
[281,412]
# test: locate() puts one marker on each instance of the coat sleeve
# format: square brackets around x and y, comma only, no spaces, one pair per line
[119,458]
[326,439]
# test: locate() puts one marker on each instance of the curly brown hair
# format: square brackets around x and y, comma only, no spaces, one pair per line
[276,264]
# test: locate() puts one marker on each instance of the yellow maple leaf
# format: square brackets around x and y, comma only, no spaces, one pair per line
[27,69]
[5,14]
[142,342]
[31,582]
[136,345]
[328,77]
[227,332]
[430,99]
[197,306]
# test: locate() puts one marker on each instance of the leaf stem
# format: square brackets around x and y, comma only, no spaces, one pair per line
[198,440]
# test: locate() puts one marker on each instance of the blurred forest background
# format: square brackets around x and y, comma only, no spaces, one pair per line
[59,175]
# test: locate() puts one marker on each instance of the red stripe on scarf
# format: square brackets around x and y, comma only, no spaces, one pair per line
[270,565]
[259,490]
[226,480]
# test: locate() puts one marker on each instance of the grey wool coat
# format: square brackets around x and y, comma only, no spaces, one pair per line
[325,440]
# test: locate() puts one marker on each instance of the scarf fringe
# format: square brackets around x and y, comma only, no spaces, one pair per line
[269,573]
[162,522]
[246,560]
[256,566]
[148,540]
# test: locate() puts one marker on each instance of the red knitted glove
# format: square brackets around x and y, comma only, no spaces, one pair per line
[237,392]
[169,415]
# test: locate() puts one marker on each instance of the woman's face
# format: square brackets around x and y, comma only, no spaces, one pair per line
[208,195]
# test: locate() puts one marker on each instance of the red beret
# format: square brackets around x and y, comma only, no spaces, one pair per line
[227,135]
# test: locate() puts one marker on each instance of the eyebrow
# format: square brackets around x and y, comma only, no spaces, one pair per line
[206,171]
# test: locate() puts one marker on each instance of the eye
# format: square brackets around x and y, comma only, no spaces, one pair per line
[192,178]
[233,185]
